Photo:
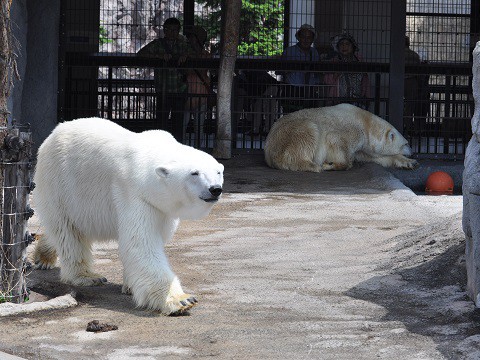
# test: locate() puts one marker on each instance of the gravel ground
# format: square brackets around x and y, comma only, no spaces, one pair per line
[336,265]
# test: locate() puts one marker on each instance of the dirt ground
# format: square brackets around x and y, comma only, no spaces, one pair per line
[335,265]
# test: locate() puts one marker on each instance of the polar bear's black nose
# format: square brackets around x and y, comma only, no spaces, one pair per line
[215,190]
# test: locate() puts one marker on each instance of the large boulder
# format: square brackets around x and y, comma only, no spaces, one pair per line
[471,191]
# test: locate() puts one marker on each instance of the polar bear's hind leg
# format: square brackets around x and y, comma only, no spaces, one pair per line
[75,253]
[299,151]
[337,154]
[44,255]
[302,164]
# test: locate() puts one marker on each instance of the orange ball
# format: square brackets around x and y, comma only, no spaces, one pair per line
[439,183]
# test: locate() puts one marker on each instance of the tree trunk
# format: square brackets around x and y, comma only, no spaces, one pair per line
[5,59]
[228,53]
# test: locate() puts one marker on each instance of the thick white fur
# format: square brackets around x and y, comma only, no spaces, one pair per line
[98,181]
[332,138]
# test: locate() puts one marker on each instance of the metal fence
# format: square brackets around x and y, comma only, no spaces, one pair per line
[16,166]
[101,74]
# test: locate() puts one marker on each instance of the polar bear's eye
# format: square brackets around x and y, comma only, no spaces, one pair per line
[195,173]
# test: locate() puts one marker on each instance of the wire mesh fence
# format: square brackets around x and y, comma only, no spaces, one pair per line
[437,114]
[103,74]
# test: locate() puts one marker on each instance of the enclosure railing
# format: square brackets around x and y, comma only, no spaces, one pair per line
[121,88]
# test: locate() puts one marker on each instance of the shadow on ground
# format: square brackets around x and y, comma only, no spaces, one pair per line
[429,299]
[109,296]
[250,174]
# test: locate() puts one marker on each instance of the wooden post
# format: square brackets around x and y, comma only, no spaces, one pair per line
[6,59]
[16,164]
[15,154]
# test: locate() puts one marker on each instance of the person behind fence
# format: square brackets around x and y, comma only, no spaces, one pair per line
[256,96]
[198,80]
[347,85]
[301,84]
[170,82]
[416,93]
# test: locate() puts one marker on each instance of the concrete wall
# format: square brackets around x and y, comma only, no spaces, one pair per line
[35,25]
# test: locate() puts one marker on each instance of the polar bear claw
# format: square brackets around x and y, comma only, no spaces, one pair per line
[178,305]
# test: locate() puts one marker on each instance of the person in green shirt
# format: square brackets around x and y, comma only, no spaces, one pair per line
[170,82]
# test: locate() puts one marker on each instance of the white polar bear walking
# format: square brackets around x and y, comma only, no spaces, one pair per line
[332,138]
[98,181]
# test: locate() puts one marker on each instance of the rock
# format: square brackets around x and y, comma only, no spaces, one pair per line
[471,191]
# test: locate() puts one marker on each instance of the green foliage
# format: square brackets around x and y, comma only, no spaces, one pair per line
[261,26]
[7,296]
[103,39]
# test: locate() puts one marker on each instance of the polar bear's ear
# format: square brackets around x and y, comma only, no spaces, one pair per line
[162,171]
[391,135]
[166,169]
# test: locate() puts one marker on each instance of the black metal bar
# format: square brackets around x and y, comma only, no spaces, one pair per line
[109,96]
[257,64]
[188,13]
[397,62]
[437,14]
[474,25]
[61,64]
[286,23]
[377,94]
[448,109]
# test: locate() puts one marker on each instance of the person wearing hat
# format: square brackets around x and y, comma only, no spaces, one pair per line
[301,84]
[170,84]
[347,86]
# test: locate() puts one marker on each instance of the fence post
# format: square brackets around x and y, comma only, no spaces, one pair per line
[15,157]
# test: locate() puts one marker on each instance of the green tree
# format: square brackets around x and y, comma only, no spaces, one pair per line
[261,26]
[103,36]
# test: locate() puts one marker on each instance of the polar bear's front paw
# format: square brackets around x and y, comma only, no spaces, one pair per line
[87,280]
[413,164]
[408,164]
[178,305]
[44,265]
[126,290]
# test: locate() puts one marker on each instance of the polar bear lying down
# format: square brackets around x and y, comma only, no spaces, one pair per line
[98,181]
[332,138]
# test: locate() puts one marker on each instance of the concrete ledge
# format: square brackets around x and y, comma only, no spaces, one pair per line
[5,356]
[416,179]
[60,302]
